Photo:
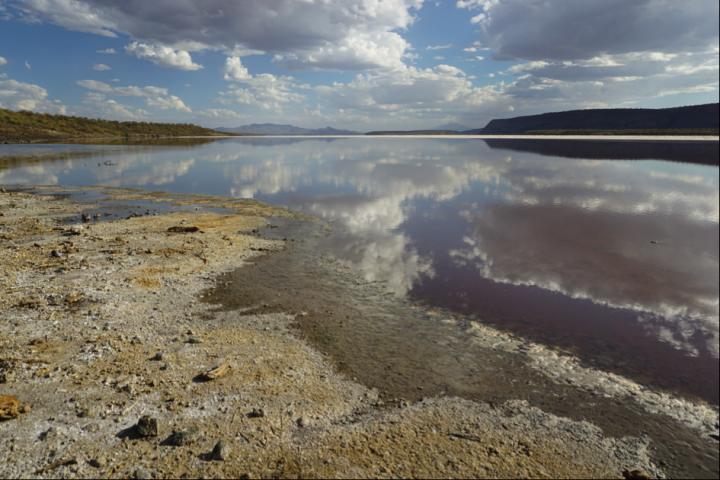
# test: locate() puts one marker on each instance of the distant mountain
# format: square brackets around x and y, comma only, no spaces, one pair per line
[452,126]
[615,120]
[279,129]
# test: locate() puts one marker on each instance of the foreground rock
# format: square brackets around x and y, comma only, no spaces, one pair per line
[79,331]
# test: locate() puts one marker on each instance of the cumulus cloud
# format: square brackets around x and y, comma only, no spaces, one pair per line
[109,108]
[163,55]
[235,70]
[319,34]
[17,95]
[156,97]
[3,61]
[101,67]
[264,90]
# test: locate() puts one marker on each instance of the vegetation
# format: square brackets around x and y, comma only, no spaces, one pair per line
[30,127]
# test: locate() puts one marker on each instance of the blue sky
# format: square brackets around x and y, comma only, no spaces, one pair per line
[361,64]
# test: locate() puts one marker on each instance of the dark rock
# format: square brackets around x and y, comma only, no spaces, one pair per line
[183,229]
[146,427]
[636,474]
[178,438]
[256,413]
[85,217]
[99,462]
[55,254]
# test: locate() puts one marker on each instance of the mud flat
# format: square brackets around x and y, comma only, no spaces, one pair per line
[119,357]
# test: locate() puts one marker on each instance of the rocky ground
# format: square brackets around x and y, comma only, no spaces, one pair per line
[111,365]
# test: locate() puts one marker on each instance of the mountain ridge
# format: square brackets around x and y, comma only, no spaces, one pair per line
[283,129]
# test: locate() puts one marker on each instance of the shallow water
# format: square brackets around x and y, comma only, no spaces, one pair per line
[603,248]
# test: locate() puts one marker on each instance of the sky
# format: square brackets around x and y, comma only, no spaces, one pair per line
[354,64]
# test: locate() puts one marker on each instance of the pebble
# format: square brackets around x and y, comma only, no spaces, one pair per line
[256,413]
[98,462]
[147,426]
[142,473]
[220,452]
[179,438]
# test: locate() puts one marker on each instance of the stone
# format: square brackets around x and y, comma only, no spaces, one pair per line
[142,474]
[157,357]
[220,452]
[98,462]
[179,438]
[9,407]
[302,422]
[256,413]
[183,229]
[146,427]
[216,372]
[636,474]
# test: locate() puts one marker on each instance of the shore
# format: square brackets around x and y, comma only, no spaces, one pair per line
[115,362]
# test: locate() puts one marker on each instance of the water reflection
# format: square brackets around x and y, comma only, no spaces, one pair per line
[603,256]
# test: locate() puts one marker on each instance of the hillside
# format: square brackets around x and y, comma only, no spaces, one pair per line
[280,129]
[30,127]
[700,118]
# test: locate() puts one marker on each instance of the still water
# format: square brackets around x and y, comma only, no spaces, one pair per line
[606,249]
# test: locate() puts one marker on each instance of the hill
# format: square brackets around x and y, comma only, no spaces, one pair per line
[30,127]
[700,119]
[279,129]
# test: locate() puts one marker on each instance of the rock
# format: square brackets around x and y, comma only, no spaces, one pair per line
[216,372]
[220,452]
[183,229]
[55,254]
[98,462]
[142,474]
[157,357]
[146,427]
[179,438]
[9,407]
[302,422]
[636,474]
[85,217]
[194,340]
[256,413]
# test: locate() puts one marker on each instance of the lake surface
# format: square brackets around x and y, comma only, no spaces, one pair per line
[606,249]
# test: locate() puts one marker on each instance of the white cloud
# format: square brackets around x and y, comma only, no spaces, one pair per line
[26,96]
[101,67]
[439,47]
[156,97]
[235,70]
[320,34]
[27,65]
[107,51]
[163,55]
[357,51]
[108,108]
[3,61]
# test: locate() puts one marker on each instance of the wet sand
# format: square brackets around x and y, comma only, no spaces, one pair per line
[102,324]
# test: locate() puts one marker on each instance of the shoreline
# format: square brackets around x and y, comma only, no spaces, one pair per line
[112,319]
[160,140]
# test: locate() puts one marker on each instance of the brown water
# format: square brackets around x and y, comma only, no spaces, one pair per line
[606,249]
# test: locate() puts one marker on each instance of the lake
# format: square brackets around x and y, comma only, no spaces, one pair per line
[604,249]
